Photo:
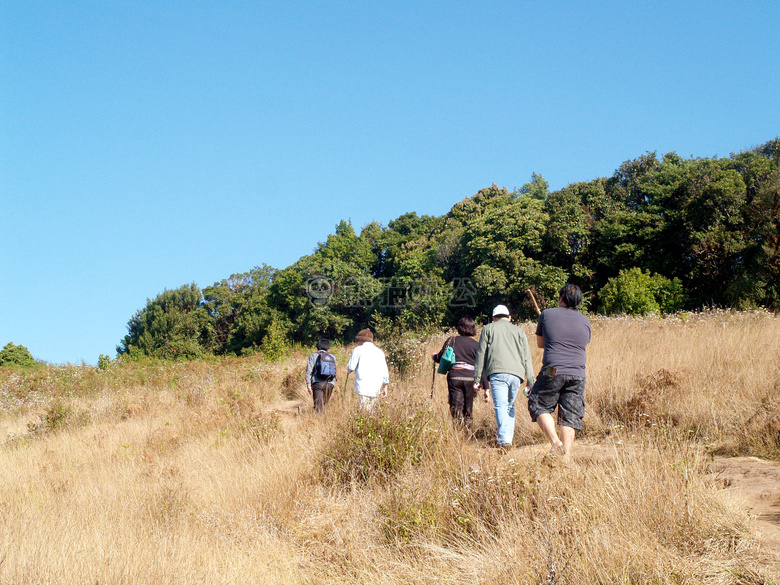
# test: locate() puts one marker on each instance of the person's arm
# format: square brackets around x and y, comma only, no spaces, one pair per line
[529,366]
[385,377]
[479,365]
[540,330]
[479,361]
[437,356]
[353,360]
[484,381]
[309,369]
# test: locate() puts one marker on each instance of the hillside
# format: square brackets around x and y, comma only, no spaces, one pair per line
[207,472]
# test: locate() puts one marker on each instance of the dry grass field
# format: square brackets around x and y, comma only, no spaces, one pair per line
[206,472]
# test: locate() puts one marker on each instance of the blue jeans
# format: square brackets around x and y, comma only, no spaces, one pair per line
[504,388]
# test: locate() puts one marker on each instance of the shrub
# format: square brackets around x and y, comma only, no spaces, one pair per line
[486,500]
[667,293]
[58,416]
[275,344]
[16,355]
[638,292]
[103,362]
[411,512]
[378,445]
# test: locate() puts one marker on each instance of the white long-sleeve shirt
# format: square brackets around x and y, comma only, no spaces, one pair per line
[370,367]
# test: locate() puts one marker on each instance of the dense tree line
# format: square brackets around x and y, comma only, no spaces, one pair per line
[660,234]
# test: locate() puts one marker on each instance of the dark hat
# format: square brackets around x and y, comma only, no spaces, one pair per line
[323,344]
[364,335]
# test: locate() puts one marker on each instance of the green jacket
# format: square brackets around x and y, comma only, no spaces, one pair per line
[503,349]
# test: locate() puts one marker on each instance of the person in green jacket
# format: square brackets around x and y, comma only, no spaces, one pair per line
[505,356]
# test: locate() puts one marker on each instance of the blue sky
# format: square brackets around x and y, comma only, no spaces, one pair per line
[145,145]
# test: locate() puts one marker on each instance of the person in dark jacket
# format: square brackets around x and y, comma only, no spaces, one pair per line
[460,379]
[320,388]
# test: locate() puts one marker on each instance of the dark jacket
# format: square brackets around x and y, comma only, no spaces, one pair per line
[465,349]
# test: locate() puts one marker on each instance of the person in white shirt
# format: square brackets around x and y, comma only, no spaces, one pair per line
[370,367]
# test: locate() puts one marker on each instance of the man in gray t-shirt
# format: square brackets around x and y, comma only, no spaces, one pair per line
[563,332]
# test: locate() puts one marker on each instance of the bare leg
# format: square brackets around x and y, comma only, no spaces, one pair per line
[547,424]
[567,436]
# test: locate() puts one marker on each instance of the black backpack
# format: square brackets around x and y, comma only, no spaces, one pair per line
[325,368]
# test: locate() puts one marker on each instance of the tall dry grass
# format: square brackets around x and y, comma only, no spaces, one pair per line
[714,375]
[191,473]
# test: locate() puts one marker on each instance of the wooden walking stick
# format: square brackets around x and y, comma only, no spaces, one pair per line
[533,300]
[344,393]
[433,382]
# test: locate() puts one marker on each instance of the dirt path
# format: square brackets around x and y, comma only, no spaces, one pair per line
[754,481]
[757,483]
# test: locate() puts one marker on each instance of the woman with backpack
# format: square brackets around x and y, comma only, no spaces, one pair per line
[460,378]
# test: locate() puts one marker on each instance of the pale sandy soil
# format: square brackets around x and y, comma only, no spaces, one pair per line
[754,482]
[757,483]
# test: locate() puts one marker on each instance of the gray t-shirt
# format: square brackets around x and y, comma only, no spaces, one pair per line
[566,332]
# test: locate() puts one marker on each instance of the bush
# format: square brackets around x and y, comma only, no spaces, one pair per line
[668,293]
[275,344]
[378,445]
[175,325]
[58,416]
[16,355]
[103,362]
[481,506]
[637,292]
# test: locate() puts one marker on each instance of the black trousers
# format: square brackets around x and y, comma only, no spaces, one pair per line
[461,399]
[321,392]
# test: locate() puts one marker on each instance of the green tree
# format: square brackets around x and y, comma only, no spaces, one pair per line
[173,325]
[628,182]
[346,246]
[625,221]
[321,296]
[537,188]
[567,240]
[275,345]
[104,362]
[239,309]
[484,201]
[16,356]
[500,250]
[759,283]
[713,230]
[388,244]
[770,150]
